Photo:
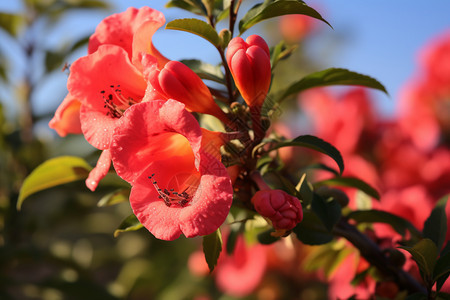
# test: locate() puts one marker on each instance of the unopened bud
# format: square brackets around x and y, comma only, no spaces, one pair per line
[284,210]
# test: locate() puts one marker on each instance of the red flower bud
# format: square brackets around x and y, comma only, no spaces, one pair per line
[249,62]
[177,81]
[284,210]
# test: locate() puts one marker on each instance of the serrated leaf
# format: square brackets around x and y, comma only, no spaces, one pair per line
[378,216]
[118,196]
[205,70]
[332,76]
[271,9]
[351,182]
[212,246]
[329,211]
[315,143]
[424,254]
[311,231]
[435,227]
[197,27]
[11,23]
[131,223]
[53,172]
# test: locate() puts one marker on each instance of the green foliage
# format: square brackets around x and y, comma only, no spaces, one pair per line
[193,6]
[270,9]
[53,172]
[205,70]
[331,76]
[197,27]
[118,196]
[350,182]
[315,143]
[280,52]
[328,210]
[435,227]
[312,231]
[212,246]
[399,224]
[424,254]
[11,23]
[131,223]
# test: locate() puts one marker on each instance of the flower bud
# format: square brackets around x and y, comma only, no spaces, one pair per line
[249,62]
[284,210]
[177,81]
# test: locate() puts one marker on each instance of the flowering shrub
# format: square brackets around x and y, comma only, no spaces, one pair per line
[199,157]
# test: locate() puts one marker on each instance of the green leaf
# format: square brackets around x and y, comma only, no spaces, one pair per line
[212,246]
[441,279]
[311,230]
[271,9]
[266,238]
[197,27]
[193,6]
[332,76]
[279,52]
[205,70]
[118,196]
[53,172]
[131,223]
[315,143]
[424,254]
[54,60]
[399,224]
[435,227]
[328,210]
[350,182]
[442,267]
[11,23]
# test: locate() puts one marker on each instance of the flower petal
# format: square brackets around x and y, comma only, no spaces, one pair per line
[67,117]
[100,170]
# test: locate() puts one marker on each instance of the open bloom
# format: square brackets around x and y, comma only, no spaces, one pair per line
[249,62]
[178,187]
[110,78]
[284,210]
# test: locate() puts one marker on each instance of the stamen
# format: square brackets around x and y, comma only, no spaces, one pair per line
[171,197]
[116,110]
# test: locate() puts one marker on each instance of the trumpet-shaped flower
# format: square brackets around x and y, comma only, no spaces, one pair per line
[131,30]
[110,78]
[249,62]
[178,187]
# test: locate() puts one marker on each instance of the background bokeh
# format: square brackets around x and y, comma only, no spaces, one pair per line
[61,245]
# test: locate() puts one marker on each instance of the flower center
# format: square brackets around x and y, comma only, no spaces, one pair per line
[115,102]
[170,197]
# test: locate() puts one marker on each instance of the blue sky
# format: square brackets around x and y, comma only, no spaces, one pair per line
[382,37]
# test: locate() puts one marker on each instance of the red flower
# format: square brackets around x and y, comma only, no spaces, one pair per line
[109,79]
[178,187]
[67,117]
[131,30]
[240,273]
[284,210]
[249,62]
[177,81]
[294,28]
